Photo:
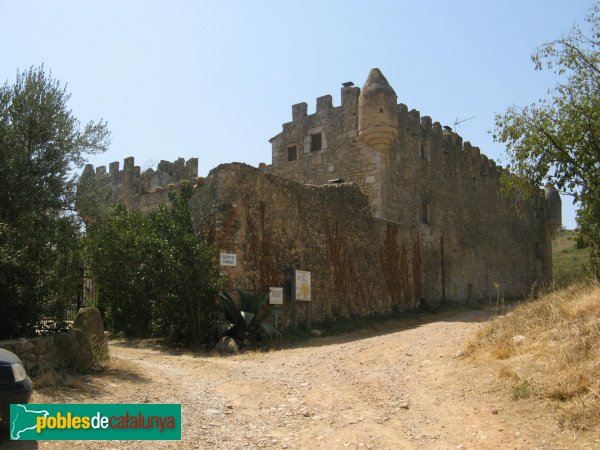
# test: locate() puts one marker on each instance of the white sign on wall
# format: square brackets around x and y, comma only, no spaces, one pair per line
[276,296]
[302,285]
[228,259]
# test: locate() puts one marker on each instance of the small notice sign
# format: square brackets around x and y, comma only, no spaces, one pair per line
[276,296]
[302,285]
[228,259]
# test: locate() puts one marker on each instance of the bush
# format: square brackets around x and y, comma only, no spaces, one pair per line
[155,275]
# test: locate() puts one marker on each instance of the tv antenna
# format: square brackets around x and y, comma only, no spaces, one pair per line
[458,121]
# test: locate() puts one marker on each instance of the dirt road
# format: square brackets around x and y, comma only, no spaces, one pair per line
[399,387]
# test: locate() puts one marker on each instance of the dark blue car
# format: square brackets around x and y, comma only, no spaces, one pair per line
[15,385]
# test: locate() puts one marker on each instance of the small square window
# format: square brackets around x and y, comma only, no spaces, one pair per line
[315,142]
[292,153]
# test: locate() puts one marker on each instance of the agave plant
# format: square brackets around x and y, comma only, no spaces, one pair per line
[248,320]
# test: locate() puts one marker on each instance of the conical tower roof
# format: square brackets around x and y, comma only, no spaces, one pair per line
[376,82]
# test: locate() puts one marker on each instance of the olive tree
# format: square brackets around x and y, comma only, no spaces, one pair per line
[41,142]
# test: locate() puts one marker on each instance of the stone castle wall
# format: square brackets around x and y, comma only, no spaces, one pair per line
[140,191]
[475,244]
[386,208]
[359,264]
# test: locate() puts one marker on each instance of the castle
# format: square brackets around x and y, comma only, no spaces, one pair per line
[387,210]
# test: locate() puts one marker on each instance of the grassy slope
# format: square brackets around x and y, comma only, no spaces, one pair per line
[550,348]
[569,262]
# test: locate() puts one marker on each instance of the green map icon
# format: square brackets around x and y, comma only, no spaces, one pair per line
[22,420]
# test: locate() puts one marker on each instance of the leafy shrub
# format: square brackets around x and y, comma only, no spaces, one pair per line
[155,275]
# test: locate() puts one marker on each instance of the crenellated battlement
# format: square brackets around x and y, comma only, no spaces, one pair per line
[452,146]
[135,189]
[166,176]
[324,106]
[385,147]
[328,116]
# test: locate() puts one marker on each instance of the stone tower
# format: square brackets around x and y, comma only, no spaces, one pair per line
[378,128]
[377,120]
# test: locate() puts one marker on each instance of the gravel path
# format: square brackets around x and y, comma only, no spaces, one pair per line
[401,387]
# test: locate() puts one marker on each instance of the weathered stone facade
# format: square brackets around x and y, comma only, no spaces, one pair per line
[422,176]
[359,264]
[54,352]
[385,208]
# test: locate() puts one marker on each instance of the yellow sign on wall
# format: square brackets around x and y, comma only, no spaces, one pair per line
[303,286]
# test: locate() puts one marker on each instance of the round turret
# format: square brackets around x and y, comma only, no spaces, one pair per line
[554,208]
[377,120]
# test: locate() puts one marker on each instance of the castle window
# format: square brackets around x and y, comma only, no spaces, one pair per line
[538,250]
[315,142]
[425,213]
[424,152]
[292,153]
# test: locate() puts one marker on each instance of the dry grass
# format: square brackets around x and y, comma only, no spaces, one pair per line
[558,356]
[64,386]
[53,379]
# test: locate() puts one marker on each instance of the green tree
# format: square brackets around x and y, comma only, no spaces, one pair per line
[40,143]
[155,275]
[127,261]
[558,139]
[195,274]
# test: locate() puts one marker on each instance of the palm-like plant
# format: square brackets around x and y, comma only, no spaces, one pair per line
[248,320]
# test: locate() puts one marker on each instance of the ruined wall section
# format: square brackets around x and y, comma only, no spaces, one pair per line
[139,191]
[360,265]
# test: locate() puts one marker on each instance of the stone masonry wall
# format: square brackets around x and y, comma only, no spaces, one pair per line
[140,191]
[341,155]
[54,352]
[475,244]
[77,349]
[359,264]
[485,246]
[446,234]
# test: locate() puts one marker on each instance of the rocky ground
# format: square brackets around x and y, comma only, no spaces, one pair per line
[402,386]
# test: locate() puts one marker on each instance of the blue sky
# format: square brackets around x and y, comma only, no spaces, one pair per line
[215,80]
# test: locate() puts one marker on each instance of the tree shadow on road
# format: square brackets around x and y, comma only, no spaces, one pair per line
[333,332]
[338,333]
[160,345]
